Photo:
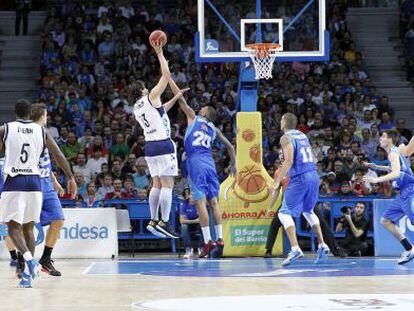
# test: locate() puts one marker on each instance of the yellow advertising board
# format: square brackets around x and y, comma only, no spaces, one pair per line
[244,199]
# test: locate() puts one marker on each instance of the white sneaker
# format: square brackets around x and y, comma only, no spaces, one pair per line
[292,256]
[406,257]
[188,253]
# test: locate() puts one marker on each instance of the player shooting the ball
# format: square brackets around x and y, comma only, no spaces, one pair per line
[160,150]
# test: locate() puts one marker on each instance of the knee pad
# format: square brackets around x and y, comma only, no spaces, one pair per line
[286,220]
[311,218]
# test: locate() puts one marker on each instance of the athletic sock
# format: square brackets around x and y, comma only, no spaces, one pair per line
[13,254]
[154,198]
[20,258]
[27,256]
[47,252]
[406,244]
[219,231]
[165,203]
[295,248]
[206,234]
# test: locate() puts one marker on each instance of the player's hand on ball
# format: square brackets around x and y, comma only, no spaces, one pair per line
[157,47]
[72,188]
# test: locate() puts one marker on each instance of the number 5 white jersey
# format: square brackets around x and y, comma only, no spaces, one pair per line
[24,144]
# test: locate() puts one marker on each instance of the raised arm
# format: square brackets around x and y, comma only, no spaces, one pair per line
[157,91]
[394,158]
[230,150]
[188,111]
[168,105]
[407,150]
[63,163]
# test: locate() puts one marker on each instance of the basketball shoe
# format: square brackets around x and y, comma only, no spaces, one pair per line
[406,256]
[207,249]
[322,253]
[165,228]
[292,256]
[152,227]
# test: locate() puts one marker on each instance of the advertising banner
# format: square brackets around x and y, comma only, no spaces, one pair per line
[244,199]
[87,233]
[385,243]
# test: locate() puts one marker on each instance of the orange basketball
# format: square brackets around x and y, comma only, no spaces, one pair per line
[285,181]
[255,154]
[248,135]
[250,179]
[158,35]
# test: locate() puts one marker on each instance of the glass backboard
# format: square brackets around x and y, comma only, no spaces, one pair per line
[226,26]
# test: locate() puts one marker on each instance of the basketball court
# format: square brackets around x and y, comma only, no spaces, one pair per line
[160,283]
[269,33]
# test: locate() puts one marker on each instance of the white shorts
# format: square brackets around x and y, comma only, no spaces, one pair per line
[21,207]
[163,165]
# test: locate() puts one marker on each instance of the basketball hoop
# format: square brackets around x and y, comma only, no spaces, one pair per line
[263,56]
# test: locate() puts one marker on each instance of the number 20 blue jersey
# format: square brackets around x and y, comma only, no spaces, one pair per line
[302,154]
[200,164]
[199,138]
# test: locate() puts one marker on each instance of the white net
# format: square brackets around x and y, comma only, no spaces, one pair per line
[263,57]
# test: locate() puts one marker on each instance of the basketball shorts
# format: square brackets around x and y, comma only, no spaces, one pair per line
[403,205]
[51,206]
[163,165]
[4,231]
[203,179]
[301,194]
[21,199]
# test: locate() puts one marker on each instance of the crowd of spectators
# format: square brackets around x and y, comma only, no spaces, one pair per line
[407,35]
[93,49]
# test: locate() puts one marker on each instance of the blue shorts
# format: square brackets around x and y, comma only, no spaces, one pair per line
[203,179]
[51,207]
[403,205]
[4,231]
[301,194]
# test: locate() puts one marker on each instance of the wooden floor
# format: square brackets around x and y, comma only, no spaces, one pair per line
[145,283]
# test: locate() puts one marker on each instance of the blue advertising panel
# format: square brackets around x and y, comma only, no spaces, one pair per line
[385,243]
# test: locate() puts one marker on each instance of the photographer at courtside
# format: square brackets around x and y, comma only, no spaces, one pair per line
[356,226]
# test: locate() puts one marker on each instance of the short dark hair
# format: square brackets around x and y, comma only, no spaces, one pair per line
[22,108]
[211,113]
[393,134]
[136,89]
[38,111]
[291,120]
[360,203]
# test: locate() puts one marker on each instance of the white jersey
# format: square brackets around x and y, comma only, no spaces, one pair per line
[24,144]
[154,121]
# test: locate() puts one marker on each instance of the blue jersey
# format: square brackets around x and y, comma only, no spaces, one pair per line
[303,160]
[199,138]
[406,177]
[45,164]
[200,164]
